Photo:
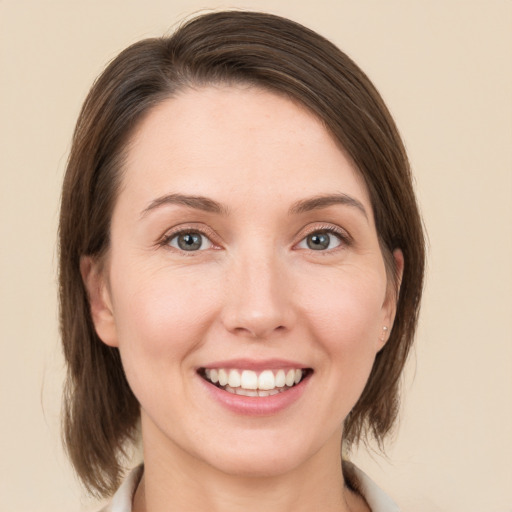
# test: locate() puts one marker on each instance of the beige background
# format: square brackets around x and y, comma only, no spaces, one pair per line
[445,69]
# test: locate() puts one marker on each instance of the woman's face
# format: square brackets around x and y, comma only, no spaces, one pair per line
[243,247]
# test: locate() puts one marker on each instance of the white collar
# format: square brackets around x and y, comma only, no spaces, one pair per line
[376,498]
[122,499]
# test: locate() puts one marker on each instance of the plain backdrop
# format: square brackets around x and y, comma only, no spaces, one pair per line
[445,69]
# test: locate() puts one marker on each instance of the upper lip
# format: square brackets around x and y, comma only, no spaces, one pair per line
[256,364]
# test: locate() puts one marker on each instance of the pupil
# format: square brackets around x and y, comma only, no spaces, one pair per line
[318,241]
[189,241]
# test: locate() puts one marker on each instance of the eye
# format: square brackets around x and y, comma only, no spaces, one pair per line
[320,241]
[190,241]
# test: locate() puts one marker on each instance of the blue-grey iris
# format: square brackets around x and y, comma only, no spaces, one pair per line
[318,241]
[189,241]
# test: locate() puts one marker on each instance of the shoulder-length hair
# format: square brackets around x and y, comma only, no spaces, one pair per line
[100,411]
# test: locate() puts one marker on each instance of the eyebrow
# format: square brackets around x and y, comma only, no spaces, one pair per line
[324,201]
[197,202]
[209,205]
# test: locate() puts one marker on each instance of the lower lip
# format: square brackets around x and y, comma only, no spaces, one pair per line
[257,405]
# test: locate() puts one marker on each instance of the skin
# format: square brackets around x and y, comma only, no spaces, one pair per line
[255,290]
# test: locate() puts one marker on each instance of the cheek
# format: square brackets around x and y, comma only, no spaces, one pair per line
[160,318]
[346,325]
[346,309]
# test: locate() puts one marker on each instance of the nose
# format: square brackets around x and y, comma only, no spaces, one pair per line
[259,295]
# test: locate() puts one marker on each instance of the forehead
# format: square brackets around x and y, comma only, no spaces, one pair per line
[237,140]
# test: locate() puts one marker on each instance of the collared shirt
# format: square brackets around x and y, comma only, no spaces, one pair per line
[377,500]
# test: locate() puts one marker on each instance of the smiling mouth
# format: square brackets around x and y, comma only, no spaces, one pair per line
[255,384]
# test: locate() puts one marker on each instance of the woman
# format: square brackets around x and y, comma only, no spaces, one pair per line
[241,264]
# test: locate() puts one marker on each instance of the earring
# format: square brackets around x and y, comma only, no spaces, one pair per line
[384,333]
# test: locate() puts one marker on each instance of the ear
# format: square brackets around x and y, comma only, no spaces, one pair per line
[393,292]
[100,302]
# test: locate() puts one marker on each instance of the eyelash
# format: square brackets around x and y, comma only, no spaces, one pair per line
[342,235]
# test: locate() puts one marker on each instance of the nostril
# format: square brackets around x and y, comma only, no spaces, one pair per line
[258,330]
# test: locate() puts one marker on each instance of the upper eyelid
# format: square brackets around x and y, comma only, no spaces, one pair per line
[331,228]
[190,228]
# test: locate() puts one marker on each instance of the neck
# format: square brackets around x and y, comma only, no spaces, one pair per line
[174,480]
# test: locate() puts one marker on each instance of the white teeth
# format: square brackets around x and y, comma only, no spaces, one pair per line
[281,378]
[223,377]
[234,379]
[269,392]
[266,380]
[246,392]
[290,378]
[249,383]
[249,380]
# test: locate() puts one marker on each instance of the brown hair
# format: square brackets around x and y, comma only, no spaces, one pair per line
[100,411]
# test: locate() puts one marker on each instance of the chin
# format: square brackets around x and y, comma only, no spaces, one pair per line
[270,456]
[259,466]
